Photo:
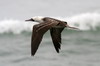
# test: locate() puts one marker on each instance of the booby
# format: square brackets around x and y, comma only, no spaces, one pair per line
[47,23]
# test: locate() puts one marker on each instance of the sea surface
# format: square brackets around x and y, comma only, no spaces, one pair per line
[79,47]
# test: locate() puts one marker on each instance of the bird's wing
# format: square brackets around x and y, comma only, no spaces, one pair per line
[37,34]
[56,37]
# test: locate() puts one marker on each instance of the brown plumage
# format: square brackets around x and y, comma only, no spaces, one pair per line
[46,23]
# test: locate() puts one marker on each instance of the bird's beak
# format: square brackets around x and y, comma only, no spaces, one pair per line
[29,20]
[71,27]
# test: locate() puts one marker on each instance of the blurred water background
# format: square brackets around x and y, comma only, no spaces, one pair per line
[79,47]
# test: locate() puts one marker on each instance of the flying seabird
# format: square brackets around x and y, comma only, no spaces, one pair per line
[46,23]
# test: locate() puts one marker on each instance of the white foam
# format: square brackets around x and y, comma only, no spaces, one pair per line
[85,21]
[15,26]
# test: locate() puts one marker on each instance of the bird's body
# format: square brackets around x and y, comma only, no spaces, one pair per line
[46,23]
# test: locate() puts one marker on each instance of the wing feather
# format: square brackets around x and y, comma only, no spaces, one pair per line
[37,34]
[56,37]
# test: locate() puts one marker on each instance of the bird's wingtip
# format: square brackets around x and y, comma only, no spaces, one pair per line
[32,54]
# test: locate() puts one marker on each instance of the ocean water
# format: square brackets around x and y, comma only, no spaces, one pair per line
[79,47]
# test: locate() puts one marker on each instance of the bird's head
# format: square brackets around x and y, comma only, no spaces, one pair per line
[36,19]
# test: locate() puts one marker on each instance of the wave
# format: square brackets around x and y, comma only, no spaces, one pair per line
[84,21]
[15,26]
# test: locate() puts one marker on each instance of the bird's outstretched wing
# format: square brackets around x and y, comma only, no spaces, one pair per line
[56,37]
[56,33]
[37,34]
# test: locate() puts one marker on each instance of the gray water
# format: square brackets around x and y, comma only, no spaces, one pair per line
[78,48]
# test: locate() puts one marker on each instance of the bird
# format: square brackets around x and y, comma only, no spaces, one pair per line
[55,26]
